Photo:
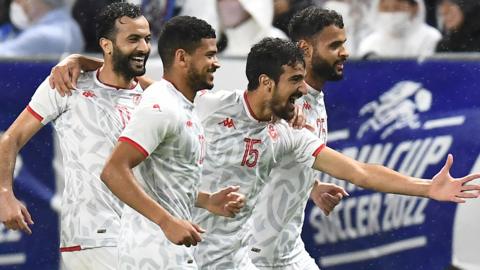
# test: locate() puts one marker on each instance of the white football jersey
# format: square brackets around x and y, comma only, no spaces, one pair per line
[240,151]
[277,220]
[166,130]
[88,124]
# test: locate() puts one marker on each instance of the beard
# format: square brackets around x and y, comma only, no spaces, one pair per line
[198,81]
[322,68]
[280,110]
[122,63]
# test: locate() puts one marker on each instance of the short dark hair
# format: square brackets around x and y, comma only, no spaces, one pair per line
[105,21]
[268,57]
[310,21]
[182,32]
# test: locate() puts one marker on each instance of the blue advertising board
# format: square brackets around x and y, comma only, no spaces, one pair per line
[403,114]
[407,116]
[34,176]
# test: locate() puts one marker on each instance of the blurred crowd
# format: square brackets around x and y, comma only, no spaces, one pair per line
[381,28]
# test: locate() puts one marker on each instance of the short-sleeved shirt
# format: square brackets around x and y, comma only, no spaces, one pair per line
[88,124]
[166,130]
[240,151]
[277,220]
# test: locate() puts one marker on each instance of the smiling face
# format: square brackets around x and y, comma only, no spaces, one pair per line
[290,86]
[203,63]
[131,46]
[328,53]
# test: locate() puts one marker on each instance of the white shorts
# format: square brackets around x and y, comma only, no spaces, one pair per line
[143,245]
[100,258]
[305,262]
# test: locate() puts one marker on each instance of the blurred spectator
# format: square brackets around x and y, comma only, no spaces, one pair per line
[283,11]
[400,30]
[157,12]
[243,22]
[461,25]
[355,18]
[46,27]
[7,30]
[84,12]
[431,17]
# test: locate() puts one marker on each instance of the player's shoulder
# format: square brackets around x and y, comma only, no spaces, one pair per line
[217,98]
[286,131]
[161,97]
[86,80]
[158,92]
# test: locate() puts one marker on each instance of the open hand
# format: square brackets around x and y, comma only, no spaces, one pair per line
[446,188]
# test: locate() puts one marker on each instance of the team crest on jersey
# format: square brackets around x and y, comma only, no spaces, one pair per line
[272,132]
[136,99]
[156,107]
[228,122]
[189,123]
[89,94]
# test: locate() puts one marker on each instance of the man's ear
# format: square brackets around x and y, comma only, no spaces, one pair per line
[266,82]
[106,45]
[182,57]
[306,47]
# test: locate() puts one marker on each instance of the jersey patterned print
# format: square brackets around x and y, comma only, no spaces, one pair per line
[240,151]
[88,124]
[165,129]
[277,219]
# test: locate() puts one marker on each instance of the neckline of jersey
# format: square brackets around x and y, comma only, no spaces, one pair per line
[249,110]
[106,85]
[317,94]
[177,92]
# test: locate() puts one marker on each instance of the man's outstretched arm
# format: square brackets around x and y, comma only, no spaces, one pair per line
[13,214]
[442,187]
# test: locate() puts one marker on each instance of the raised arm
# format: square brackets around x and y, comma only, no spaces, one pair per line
[119,178]
[13,214]
[64,75]
[442,187]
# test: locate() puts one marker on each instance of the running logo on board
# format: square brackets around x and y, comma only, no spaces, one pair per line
[397,108]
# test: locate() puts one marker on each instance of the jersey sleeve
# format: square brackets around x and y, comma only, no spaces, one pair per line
[304,145]
[208,101]
[149,127]
[46,103]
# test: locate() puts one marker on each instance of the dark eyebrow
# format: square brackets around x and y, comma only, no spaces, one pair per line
[137,36]
[296,78]
[337,43]
[211,52]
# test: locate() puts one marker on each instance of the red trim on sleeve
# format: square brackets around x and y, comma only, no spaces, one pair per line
[34,113]
[319,149]
[70,249]
[134,144]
